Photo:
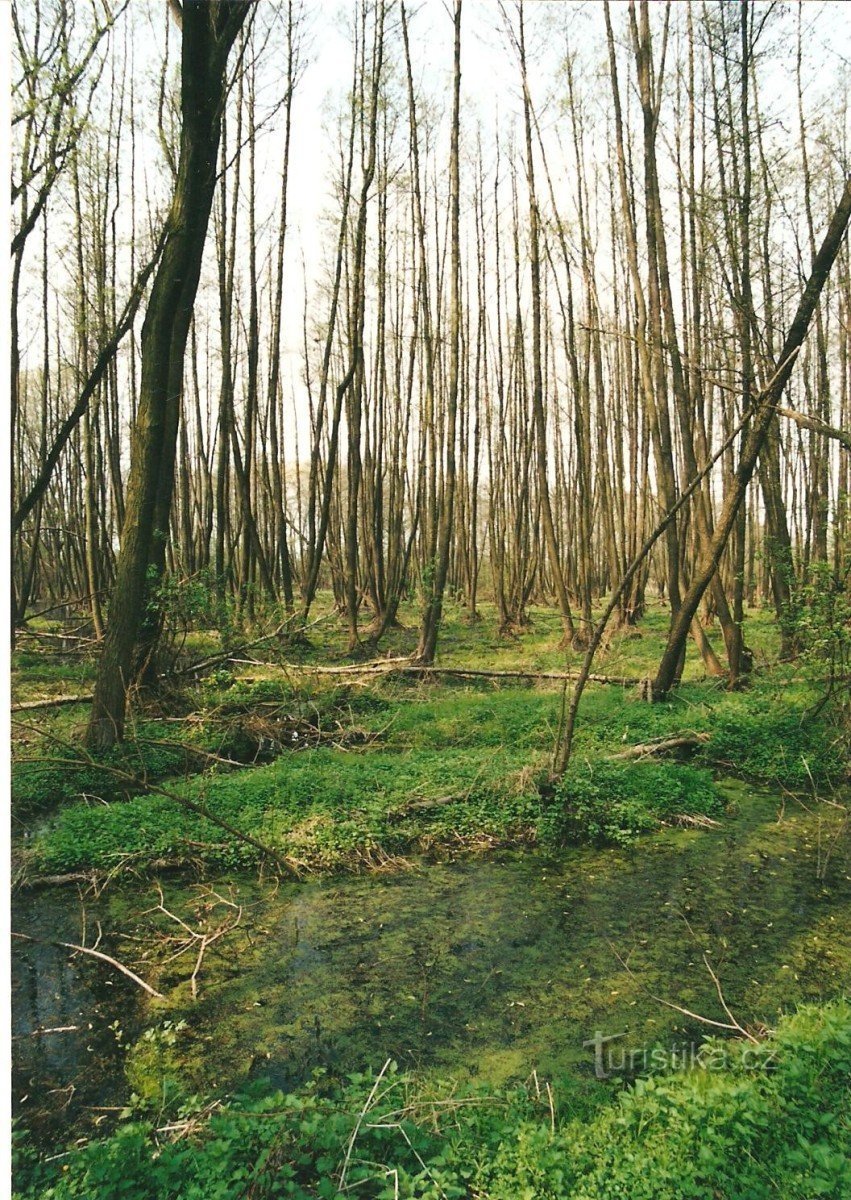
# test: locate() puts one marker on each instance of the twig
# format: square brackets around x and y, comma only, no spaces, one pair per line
[686,1012]
[113,962]
[359,1122]
[724,1005]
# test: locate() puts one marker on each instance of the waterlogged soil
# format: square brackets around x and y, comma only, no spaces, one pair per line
[486,969]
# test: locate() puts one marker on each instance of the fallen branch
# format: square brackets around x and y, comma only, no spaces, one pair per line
[282,631]
[664,745]
[694,821]
[69,604]
[112,962]
[52,702]
[369,1101]
[56,880]
[16,1037]
[403,666]
[216,660]
[733,1025]
[97,881]
[58,635]
[194,937]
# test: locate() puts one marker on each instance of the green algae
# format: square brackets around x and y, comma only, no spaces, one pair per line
[492,969]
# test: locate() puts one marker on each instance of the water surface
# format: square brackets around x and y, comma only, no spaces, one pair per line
[488,968]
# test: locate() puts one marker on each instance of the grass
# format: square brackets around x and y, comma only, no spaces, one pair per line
[406,766]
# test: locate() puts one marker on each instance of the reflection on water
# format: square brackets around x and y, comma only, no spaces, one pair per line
[64,1054]
[492,967]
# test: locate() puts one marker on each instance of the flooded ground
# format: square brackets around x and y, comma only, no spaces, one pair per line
[487,968]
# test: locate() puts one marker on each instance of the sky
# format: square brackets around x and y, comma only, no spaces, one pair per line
[490,99]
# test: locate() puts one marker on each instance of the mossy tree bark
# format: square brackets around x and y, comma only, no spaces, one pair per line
[208,32]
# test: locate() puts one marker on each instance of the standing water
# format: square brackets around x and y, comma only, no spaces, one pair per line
[484,968]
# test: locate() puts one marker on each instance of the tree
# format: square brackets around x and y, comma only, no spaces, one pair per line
[765,406]
[208,33]
[438,567]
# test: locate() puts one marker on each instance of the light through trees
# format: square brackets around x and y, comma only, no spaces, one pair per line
[445,304]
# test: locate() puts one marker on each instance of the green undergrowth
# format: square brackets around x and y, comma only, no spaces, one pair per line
[365,772]
[42,783]
[755,1121]
[608,802]
[214,722]
[443,769]
[322,808]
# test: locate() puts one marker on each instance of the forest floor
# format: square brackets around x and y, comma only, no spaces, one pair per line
[358,772]
[456,914]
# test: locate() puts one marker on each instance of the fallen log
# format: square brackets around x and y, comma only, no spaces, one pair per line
[51,702]
[664,745]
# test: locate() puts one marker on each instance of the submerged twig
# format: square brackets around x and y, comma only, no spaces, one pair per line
[733,1026]
[99,954]
[194,937]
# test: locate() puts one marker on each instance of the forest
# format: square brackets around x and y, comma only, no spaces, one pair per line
[430,606]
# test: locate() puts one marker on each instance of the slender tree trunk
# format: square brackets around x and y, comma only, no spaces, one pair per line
[755,437]
[208,33]
[432,613]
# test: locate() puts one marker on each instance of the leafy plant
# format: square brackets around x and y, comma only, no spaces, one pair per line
[773,1121]
[608,802]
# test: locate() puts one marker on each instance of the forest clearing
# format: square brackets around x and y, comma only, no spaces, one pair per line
[431,600]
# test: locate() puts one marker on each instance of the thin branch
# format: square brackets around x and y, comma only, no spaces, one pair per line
[98,954]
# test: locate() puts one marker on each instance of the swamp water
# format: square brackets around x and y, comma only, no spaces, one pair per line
[486,968]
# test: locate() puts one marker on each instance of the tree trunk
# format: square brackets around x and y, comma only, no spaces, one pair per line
[754,440]
[208,33]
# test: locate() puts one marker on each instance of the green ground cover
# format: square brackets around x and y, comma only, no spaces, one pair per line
[406,766]
[756,1121]
[339,774]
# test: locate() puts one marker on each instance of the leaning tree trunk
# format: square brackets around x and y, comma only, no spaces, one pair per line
[209,30]
[754,441]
